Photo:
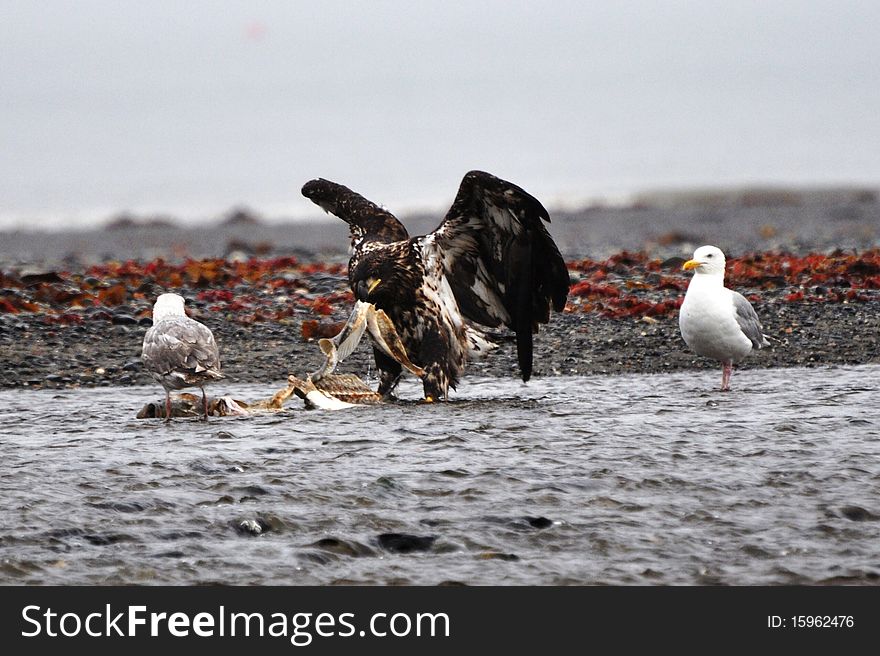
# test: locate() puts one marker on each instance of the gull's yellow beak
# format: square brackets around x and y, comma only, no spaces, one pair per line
[691,264]
[373,285]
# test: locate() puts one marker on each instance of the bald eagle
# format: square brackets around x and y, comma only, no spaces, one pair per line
[490,262]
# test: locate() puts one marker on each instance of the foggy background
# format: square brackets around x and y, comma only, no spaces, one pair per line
[189,109]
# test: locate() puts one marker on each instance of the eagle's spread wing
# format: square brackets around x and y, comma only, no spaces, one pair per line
[499,259]
[363,217]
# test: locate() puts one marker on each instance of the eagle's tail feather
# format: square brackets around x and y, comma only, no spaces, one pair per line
[524,352]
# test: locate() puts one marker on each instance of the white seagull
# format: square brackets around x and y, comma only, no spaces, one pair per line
[179,352]
[717,322]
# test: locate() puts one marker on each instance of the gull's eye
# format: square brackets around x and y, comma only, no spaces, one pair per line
[710,255]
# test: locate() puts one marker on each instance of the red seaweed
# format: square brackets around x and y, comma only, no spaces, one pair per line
[626,285]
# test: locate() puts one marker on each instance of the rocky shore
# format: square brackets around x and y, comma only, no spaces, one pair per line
[84,327]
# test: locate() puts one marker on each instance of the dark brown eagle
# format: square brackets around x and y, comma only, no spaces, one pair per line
[491,262]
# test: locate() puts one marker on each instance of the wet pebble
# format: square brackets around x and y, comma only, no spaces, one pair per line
[494,555]
[224,500]
[858,514]
[404,542]
[538,522]
[252,490]
[343,547]
[525,523]
[123,319]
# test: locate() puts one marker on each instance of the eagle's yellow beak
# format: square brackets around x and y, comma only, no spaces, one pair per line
[373,285]
[691,264]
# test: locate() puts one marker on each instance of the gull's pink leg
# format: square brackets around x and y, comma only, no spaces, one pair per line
[725,376]
[167,406]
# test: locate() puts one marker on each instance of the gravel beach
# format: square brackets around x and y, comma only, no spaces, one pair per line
[74,306]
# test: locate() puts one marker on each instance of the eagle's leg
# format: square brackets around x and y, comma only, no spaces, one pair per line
[437,362]
[389,372]
[434,390]
[435,383]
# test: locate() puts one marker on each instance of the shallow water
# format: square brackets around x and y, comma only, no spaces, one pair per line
[621,480]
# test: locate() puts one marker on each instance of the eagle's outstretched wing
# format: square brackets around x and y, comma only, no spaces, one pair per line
[499,259]
[363,217]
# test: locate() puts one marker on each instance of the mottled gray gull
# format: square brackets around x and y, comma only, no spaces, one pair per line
[179,352]
[717,322]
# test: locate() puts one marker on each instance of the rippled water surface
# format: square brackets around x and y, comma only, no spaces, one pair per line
[630,479]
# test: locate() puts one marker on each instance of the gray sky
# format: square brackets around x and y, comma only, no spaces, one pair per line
[193,107]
